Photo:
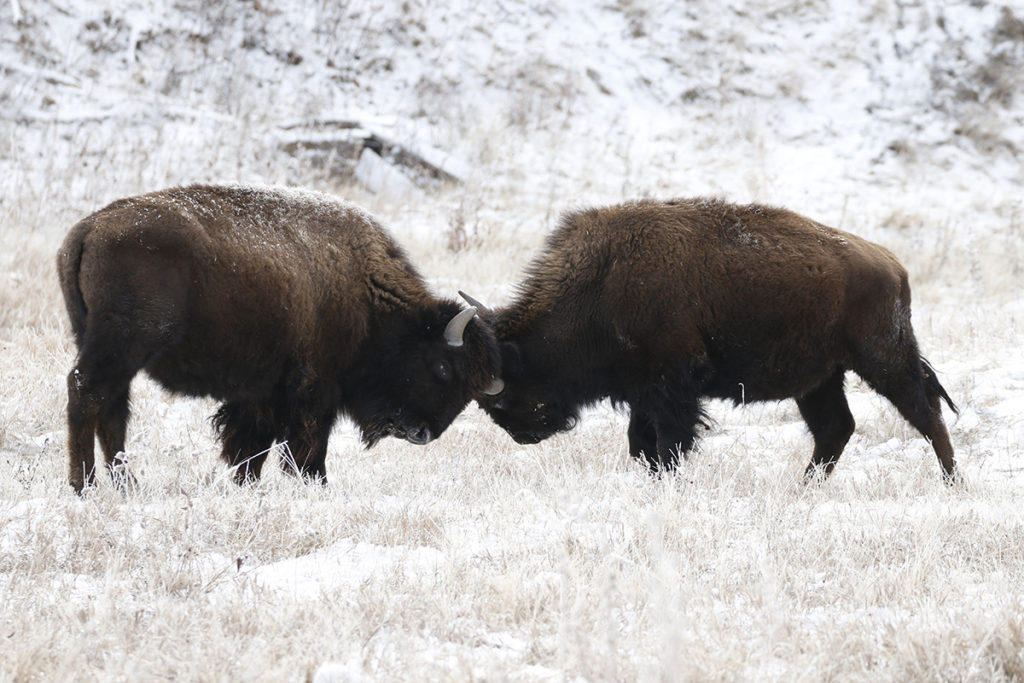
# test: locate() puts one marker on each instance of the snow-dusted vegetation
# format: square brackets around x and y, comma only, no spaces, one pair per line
[468,128]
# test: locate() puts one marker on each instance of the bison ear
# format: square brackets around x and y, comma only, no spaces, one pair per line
[511,359]
[457,325]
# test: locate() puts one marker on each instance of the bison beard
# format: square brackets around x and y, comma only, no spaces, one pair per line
[660,305]
[289,307]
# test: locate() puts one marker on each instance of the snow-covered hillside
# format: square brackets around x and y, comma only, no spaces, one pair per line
[859,115]
[630,97]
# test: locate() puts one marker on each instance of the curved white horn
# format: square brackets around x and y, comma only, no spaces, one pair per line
[473,302]
[457,325]
[496,386]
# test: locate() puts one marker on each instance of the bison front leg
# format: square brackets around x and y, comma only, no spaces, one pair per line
[663,435]
[643,438]
[307,447]
[247,432]
[675,438]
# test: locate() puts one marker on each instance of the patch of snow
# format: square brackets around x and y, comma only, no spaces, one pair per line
[380,177]
[344,565]
[350,671]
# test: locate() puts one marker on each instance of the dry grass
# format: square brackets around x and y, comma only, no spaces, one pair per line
[475,558]
[492,561]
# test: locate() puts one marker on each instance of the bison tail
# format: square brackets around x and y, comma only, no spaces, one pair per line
[933,386]
[69,261]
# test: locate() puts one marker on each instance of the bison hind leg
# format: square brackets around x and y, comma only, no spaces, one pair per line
[97,409]
[83,410]
[830,422]
[98,406]
[247,431]
[111,428]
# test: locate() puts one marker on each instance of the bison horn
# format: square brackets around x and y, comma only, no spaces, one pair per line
[457,325]
[473,302]
[495,387]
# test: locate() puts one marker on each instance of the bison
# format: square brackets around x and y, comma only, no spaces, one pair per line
[662,304]
[289,307]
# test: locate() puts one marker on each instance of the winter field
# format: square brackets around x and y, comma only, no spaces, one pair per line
[473,558]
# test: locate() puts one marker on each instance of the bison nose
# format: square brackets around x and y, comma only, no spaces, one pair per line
[526,438]
[418,435]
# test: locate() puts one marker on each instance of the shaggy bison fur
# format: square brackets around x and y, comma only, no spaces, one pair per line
[288,307]
[660,305]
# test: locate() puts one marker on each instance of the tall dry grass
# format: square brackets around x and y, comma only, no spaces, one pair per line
[476,558]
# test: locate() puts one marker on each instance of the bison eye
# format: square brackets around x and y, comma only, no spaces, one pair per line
[443,370]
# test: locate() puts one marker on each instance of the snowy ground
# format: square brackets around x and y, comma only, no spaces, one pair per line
[473,557]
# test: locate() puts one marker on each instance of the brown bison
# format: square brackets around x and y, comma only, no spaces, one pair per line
[287,306]
[659,305]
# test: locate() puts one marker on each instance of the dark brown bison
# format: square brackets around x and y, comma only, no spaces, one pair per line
[659,305]
[287,306]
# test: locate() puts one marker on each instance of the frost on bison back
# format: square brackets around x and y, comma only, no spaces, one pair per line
[660,305]
[288,307]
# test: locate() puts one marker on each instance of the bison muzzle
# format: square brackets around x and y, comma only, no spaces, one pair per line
[288,307]
[660,305]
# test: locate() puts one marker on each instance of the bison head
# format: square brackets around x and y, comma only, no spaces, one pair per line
[525,400]
[420,371]
[529,406]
